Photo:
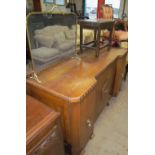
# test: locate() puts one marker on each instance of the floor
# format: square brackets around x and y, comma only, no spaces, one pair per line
[111,128]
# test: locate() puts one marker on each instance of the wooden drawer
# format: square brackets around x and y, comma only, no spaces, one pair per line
[104,88]
[51,144]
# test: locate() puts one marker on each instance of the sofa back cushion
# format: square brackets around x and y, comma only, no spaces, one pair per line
[70,34]
[107,12]
[44,54]
[44,40]
[53,36]
[59,39]
[67,45]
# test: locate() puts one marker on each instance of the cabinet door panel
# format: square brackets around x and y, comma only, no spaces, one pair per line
[104,88]
[51,145]
[120,68]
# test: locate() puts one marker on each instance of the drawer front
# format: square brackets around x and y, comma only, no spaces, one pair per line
[87,118]
[51,145]
[104,87]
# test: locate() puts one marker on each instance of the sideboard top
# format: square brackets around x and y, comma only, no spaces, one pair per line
[73,77]
[38,115]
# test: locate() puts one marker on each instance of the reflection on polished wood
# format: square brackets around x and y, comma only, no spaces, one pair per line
[79,90]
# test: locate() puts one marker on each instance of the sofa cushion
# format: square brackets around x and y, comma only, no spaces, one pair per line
[118,35]
[44,40]
[51,30]
[44,53]
[121,35]
[107,12]
[124,44]
[59,39]
[105,33]
[70,34]
[67,45]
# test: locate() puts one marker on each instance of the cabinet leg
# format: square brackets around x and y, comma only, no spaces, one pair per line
[81,39]
[68,149]
[92,136]
[108,103]
[126,71]
[83,152]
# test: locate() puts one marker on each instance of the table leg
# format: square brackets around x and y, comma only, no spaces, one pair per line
[110,38]
[126,71]
[98,42]
[81,39]
[94,37]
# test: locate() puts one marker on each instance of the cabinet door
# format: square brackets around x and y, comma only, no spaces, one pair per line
[51,145]
[87,118]
[104,88]
[120,68]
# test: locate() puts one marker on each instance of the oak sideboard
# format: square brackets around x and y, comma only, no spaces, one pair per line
[79,88]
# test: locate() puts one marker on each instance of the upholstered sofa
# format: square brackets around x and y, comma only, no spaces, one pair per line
[53,43]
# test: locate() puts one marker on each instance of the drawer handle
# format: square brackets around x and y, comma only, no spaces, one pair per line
[89,124]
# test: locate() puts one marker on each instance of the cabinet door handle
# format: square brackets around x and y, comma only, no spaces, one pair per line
[122,75]
[89,124]
[105,91]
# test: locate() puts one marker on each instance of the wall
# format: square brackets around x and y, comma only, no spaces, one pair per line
[79,4]
[126,8]
[29,4]
[44,7]
[121,8]
[49,6]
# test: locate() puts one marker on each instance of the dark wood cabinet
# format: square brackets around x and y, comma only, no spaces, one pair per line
[43,131]
[79,90]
